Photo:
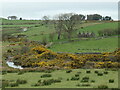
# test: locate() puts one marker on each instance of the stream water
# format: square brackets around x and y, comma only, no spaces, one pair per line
[11,64]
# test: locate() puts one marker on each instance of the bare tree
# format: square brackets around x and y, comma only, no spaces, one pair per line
[66,23]
[46,19]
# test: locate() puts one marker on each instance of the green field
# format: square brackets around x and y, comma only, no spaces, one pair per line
[32,78]
[36,32]
[92,45]
[97,27]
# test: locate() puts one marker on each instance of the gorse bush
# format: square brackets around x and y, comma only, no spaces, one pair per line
[39,56]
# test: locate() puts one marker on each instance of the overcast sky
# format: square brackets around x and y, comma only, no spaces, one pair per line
[36,10]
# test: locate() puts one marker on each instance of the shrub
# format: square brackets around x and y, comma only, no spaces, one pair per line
[103,86]
[75,78]
[111,81]
[46,75]
[88,72]
[68,71]
[100,74]
[21,81]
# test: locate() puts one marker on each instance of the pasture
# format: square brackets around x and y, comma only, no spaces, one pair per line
[76,78]
[90,45]
[94,80]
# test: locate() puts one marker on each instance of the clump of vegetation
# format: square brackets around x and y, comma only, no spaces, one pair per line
[111,81]
[78,72]
[100,74]
[78,85]
[88,71]
[96,71]
[47,82]
[13,84]
[105,72]
[21,81]
[75,78]
[92,81]
[5,83]
[48,71]
[3,73]
[68,71]
[85,79]
[76,75]
[20,73]
[68,79]
[46,75]
[103,86]
[85,84]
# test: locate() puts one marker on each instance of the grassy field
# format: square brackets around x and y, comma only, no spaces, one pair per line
[97,27]
[33,77]
[92,45]
[19,22]
[38,32]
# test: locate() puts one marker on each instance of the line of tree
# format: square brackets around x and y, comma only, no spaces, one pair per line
[76,16]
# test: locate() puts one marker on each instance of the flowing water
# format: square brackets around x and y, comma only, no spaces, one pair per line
[11,64]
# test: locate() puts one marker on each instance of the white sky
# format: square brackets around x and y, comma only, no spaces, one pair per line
[59,0]
[35,9]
